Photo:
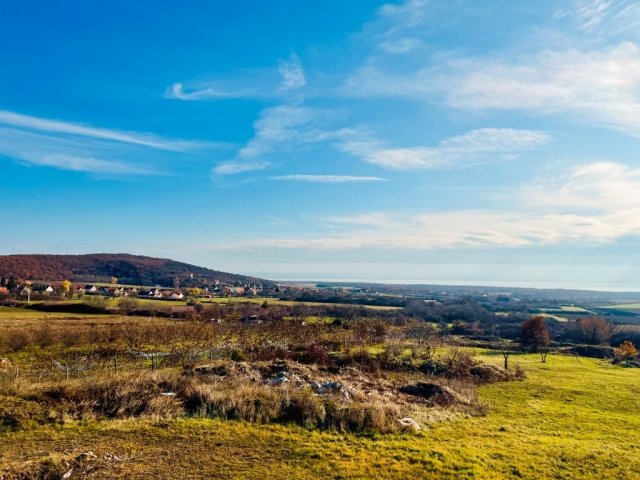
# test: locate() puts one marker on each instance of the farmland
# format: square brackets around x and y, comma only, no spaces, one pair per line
[109,387]
[634,307]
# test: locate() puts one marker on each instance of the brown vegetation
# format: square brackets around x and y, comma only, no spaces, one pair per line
[316,375]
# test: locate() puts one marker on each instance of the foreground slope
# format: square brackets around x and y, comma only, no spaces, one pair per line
[571,418]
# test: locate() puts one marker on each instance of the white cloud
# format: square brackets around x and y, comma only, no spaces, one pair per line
[216,90]
[600,87]
[292,73]
[470,147]
[66,153]
[408,13]
[232,168]
[604,17]
[278,131]
[600,186]
[248,84]
[397,28]
[60,127]
[84,148]
[592,204]
[326,178]
[400,45]
[87,164]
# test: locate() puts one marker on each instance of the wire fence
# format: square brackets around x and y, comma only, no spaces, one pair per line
[52,370]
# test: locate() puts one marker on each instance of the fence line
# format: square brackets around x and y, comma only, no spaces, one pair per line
[59,370]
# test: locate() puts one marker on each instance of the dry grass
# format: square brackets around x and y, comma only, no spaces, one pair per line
[168,394]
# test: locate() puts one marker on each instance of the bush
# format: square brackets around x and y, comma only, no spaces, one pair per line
[306,409]
[362,359]
[237,356]
[593,351]
[313,354]
[626,351]
[128,305]
[17,340]
[623,334]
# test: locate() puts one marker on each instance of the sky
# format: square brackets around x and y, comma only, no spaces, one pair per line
[422,141]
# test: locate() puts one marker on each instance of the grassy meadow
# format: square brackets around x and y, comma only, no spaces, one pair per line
[570,418]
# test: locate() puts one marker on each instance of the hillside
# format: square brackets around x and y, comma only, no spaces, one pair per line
[129,269]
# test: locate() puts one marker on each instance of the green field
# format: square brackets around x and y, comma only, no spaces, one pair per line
[566,309]
[12,313]
[276,301]
[635,307]
[557,318]
[572,418]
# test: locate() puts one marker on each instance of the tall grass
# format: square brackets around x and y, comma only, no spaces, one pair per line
[168,394]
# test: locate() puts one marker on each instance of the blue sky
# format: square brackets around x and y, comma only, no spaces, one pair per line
[424,141]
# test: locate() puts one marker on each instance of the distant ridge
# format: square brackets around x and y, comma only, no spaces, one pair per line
[101,267]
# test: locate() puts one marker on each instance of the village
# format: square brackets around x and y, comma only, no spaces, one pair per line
[25,289]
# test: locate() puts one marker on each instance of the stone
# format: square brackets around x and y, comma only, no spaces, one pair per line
[5,364]
[410,424]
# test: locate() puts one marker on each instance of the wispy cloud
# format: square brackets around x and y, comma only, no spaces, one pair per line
[292,73]
[61,127]
[326,178]
[600,87]
[602,16]
[252,84]
[400,45]
[235,167]
[66,153]
[82,148]
[591,204]
[467,148]
[278,131]
[211,91]
[397,27]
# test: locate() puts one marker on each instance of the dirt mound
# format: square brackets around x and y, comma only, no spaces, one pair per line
[487,373]
[435,393]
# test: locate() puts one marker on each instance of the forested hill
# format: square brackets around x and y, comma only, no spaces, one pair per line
[128,269]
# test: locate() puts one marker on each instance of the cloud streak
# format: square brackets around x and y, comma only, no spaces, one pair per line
[60,127]
[590,205]
[65,153]
[602,16]
[280,130]
[259,84]
[82,148]
[327,178]
[467,148]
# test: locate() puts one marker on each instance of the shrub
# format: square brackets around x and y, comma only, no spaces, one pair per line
[313,354]
[128,305]
[362,359]
[43,335]
[237,355]
[621,334]
[626,351]
[17,340]
[306,409]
